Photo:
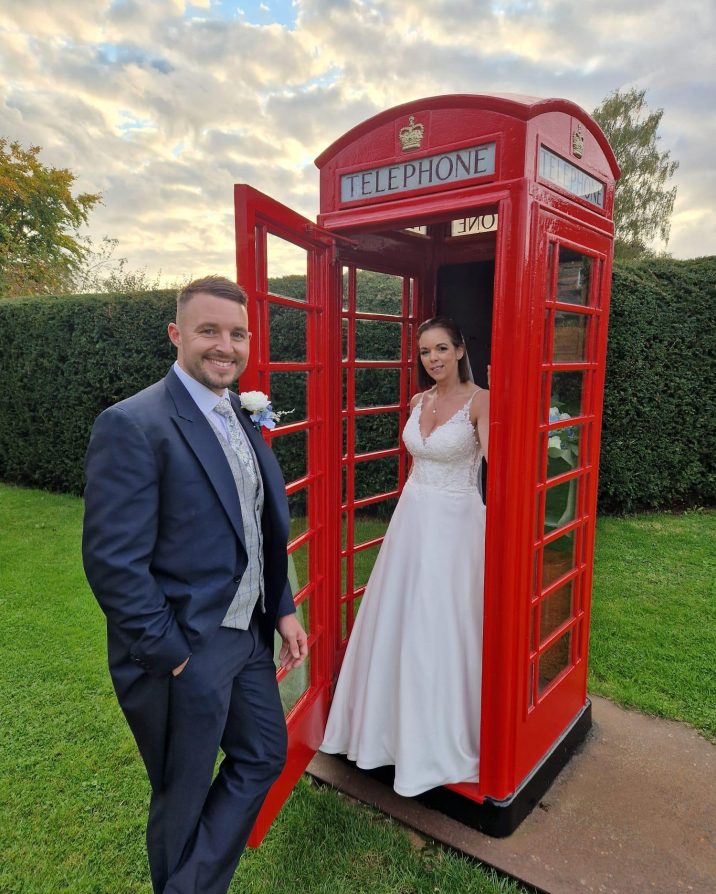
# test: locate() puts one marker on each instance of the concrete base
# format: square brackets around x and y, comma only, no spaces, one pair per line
[633,812]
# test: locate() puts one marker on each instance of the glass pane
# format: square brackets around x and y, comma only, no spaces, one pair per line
[579,645]
[558,558]
[551,249]
[533,624]
[363,565]
[344,620]
[560,505]
[294,684]
[290,451]
[379,293]
[298,567]
[554,660]
[346,287]
[547,333]
[541,441]
[563,448]
[555,610]
[287,333]
[286,267]
[344,530]
[377,340]
[570,337]
[573,277]
[344,576]
[377,387]
[371,522]
[567,393]
[376,477]
[356,605]
[288,395]
[376,432]
[344,339]
[298,513]
[345,378]
[473,226]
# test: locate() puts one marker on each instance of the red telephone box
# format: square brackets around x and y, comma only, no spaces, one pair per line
[497,211]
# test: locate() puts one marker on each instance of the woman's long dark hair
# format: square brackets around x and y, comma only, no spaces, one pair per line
[463,365]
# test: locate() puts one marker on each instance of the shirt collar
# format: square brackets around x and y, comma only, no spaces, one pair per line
[202,396]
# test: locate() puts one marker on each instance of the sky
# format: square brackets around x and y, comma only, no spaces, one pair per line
[162,105]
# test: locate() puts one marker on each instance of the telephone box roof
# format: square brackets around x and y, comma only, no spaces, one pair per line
[512,104]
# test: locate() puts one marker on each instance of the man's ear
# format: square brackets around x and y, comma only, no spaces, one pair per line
[174,334]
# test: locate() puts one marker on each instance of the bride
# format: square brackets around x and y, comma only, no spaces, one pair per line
[409,690]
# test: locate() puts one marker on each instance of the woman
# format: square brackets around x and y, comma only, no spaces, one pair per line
[410,686]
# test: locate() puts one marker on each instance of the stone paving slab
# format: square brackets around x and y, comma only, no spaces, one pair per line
[633,812]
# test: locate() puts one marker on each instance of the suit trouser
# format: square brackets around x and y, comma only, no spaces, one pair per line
[226,697]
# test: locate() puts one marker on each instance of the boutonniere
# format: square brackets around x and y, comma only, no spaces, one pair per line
[261,413]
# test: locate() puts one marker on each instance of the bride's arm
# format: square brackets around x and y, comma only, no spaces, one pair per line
[480,416]
[413,404]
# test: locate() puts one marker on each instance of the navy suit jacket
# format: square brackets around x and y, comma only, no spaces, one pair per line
[163,544]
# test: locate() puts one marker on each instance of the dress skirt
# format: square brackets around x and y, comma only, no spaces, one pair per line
[409,692]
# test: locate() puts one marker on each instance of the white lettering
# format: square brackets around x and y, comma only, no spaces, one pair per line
[445,169]
[570,177]
[466,226]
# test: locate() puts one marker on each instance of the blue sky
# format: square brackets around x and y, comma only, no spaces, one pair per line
[162,106]
[281,12]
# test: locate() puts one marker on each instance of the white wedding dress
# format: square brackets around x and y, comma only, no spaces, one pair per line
[409,690]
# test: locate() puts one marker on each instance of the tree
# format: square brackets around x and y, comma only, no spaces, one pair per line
[40,247]
[643,202]
[102,272]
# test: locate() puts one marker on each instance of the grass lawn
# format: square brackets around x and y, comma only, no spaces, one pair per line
[73,793]
[653,639]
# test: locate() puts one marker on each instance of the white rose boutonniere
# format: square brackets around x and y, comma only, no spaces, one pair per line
[261,413]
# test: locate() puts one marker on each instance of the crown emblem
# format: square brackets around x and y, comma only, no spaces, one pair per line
[578,143]
[411,136]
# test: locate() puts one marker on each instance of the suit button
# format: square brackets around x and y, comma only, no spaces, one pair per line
[237,578]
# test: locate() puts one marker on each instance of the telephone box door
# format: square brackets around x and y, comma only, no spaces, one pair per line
[572,277]
[289,363]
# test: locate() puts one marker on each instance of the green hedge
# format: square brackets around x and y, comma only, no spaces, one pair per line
[64,359]
[658,436]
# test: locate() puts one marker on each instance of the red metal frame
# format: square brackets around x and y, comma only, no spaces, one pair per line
[257,216]
[521,719]
[350,412]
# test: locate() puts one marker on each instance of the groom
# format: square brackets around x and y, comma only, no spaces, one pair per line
[184,546]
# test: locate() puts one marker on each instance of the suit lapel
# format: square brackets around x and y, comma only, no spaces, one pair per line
[201,438]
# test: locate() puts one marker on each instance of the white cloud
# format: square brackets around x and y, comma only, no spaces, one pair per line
[162,106]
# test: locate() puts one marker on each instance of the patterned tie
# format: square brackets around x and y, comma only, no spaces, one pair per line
[237,437]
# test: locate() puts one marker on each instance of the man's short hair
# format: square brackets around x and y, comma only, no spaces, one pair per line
[219,286]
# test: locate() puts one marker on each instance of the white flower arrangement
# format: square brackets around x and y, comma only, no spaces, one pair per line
[261,413]
[564,442]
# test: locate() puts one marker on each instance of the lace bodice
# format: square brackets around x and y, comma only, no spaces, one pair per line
[449,458]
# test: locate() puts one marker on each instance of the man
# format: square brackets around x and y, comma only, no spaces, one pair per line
[184,546]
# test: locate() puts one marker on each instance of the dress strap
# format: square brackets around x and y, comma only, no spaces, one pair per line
[470,399]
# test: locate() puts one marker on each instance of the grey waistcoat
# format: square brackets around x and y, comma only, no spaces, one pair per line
[251,497]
